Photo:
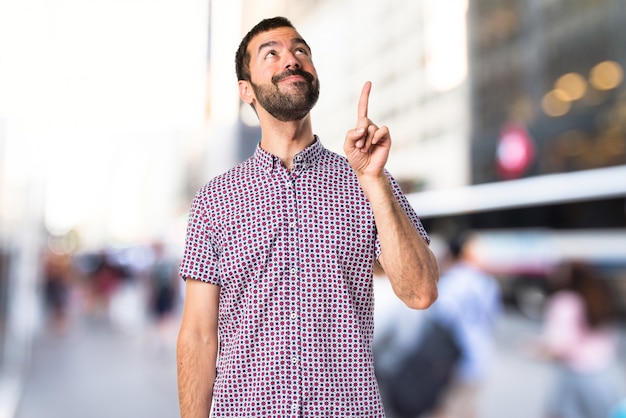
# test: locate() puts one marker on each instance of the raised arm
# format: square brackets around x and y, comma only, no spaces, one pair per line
[408,262]
[197,349]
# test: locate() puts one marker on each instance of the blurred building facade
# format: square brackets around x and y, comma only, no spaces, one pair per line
[548,96]
[553,69]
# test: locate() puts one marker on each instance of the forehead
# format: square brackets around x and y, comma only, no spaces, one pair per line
[283,35]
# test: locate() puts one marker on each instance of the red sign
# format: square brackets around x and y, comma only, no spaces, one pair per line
[515,151]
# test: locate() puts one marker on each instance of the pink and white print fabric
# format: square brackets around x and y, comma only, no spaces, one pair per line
[292,252]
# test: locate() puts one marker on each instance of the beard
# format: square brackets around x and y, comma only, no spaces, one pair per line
[288,106]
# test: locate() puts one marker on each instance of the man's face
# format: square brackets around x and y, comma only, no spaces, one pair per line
[282,74]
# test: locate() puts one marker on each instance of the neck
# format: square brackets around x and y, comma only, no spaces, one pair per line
[286,139]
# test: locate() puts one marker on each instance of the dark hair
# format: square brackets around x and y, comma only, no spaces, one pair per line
[458,242]
[242,57]
[592,288]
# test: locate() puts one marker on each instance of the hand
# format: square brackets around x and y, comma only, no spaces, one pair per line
[367,146]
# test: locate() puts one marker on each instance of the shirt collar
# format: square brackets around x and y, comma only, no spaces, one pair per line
[305,158]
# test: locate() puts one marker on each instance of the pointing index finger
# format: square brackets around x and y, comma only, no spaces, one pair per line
[364,99]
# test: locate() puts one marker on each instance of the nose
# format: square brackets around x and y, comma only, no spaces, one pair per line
[291,61]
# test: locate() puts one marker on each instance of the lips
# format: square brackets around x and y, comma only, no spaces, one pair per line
[293,78]
[293,75]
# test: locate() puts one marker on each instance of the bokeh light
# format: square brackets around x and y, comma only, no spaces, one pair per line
[606,75]
[571,86]
[556,103]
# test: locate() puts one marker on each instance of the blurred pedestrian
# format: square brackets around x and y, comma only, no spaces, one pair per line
[105,281]
[163,284]
[469,304]
[57,281]
[580,335]
[279,254]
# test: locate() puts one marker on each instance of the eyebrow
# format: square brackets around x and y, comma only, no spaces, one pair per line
[294,41]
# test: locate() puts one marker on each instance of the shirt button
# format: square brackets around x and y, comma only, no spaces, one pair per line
[268,170]
[289,184]
[294,315]
[292,225]
[294,359]
[294,406]
[294,270]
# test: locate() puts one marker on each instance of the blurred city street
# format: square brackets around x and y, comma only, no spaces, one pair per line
[508,122]
[96,371]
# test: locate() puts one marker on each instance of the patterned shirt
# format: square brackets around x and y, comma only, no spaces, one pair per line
[292,252]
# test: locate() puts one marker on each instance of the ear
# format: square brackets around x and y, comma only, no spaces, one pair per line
[245,91]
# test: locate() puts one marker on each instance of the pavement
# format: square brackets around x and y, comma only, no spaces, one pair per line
[96,370]
[519,384]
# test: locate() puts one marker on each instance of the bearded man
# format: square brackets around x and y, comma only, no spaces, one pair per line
[278,316]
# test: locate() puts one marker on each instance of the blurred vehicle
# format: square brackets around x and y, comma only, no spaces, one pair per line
[528,226]
[524,261]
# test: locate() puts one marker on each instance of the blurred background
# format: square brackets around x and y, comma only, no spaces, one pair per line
[508,118]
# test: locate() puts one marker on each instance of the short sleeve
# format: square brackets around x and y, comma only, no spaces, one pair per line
[200,258]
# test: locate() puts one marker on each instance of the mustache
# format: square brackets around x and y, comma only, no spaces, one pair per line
[288,73]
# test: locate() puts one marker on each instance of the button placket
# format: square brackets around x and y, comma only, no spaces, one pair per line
[292,256]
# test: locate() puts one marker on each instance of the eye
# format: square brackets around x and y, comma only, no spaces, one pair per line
[270,54]
[302,51]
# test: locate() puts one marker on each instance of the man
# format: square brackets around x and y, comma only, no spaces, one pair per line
[279,253]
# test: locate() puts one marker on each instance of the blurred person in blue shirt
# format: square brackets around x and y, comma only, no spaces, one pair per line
[469,305]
